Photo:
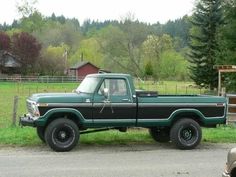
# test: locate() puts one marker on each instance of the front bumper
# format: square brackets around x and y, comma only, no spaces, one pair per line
[27,120]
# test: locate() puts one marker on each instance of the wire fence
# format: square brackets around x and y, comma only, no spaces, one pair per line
[41,79]
[23,88]
[9,90]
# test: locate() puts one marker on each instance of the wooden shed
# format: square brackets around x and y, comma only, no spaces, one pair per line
[83,68]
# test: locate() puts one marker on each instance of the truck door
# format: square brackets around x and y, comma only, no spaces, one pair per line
[116,107]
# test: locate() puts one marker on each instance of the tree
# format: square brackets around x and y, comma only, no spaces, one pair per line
[153,47]
[121,45]
[90,49]
[26,7]
[204,43]
[173,66]
[228,35]
[32,19]
[148,70]
[34,22]
[27,48]
[55,34]
[227,54]
[5,41]
[53,61]
[112,43]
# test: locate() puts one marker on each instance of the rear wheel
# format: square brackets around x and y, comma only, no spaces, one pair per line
[62,134]
[186,134]
[40,133]
[160,134]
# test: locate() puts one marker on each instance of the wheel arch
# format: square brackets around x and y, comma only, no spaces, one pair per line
[188,113]
[55,113]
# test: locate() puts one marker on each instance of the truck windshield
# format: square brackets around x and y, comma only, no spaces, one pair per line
[88,85]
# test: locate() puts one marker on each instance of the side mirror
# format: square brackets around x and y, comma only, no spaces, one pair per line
[106,93]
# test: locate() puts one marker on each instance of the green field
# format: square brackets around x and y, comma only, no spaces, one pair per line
[10,89]
[27,136]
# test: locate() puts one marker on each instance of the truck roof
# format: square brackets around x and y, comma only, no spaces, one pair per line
[109,75]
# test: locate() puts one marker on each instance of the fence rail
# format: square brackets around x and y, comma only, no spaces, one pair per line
[41,79]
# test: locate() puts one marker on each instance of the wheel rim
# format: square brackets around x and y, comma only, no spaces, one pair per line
[63,136]
[188,135]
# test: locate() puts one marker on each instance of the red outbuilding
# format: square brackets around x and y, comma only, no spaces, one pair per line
[83,68]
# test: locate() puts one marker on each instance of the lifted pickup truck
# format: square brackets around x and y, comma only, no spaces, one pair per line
[110,101]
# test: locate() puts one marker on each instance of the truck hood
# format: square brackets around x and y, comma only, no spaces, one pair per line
[60,97]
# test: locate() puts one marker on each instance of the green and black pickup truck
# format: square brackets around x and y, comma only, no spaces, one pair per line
[110,101]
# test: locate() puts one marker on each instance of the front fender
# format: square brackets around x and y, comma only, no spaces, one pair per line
[42,120]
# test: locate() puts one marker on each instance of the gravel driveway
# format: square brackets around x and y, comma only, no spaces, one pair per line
[159,160]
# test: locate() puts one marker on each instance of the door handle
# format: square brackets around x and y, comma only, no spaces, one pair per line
[126,99]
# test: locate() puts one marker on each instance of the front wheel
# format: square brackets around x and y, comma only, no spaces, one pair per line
[62,134]
[40,133]
[186,134]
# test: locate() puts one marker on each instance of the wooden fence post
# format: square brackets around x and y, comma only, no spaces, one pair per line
[15,106]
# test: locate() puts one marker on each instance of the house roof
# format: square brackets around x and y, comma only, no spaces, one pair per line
[9,60]
[81,64]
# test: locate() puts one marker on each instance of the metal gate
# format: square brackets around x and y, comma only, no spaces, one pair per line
[231,116]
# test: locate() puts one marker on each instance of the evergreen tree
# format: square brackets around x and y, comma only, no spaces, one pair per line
[204,44]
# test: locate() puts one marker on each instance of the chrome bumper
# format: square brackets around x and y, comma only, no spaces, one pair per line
[26,120]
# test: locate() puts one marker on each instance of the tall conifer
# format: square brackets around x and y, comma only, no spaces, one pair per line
[204,44]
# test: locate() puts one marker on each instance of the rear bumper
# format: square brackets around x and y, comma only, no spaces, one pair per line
[27,120]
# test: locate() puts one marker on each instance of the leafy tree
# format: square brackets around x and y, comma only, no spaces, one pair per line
[152,49]
[55,34]
[135,33]
[204,45]
[173,66]
[32,19]
[27,48]
[5,41]
[121,45]
[53,61]
[34,22]
[91,51]
[153,46]
[112,42]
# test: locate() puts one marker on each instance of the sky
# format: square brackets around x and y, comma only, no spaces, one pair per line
[150,11]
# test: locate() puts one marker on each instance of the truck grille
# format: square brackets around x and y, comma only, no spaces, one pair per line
[29,107]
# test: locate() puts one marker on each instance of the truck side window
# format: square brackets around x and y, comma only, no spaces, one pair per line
[116,87]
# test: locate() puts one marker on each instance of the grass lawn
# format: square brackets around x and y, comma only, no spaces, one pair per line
[27,136]
[10,89]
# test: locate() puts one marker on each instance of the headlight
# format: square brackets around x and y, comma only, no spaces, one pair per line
[35,110]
